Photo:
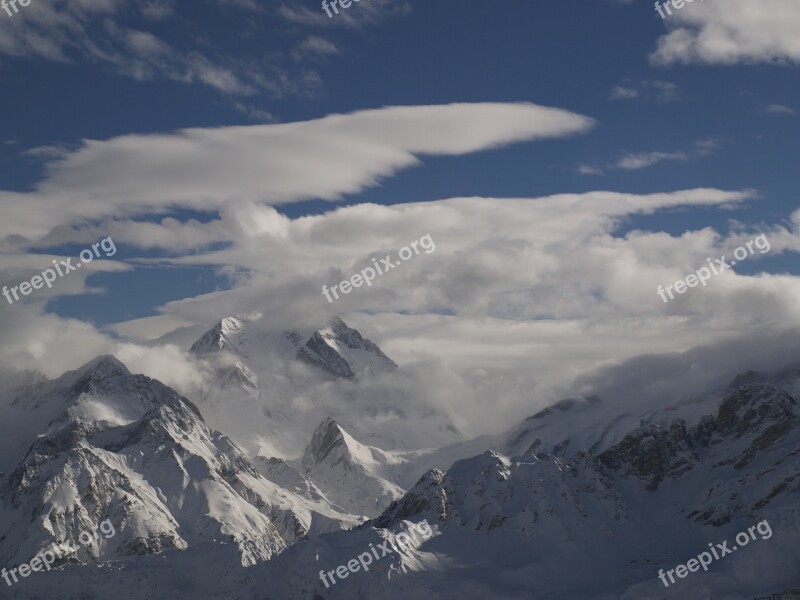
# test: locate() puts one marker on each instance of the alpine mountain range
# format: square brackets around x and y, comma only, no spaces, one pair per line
[252,485]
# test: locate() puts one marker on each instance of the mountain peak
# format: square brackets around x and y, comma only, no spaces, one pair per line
[343,352]
[101,367]
[226,334]
[337,349]
[337,324]
[326,437]
[354,476]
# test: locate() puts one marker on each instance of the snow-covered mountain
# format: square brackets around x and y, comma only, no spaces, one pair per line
[229,335]
[336,350]
[596,526]
[343,352]
[592,424]
[592,519]
[356,477]
[123,447]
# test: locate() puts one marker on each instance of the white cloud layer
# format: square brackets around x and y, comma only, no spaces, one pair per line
[205,169]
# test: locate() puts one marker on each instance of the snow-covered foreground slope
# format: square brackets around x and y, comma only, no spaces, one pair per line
[129,449]
[597,525]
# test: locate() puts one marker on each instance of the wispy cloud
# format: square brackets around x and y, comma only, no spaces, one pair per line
[642,160]
[126,36]
[646,89]
[634,161]
[358,16]
[255,114]
[314,47]
[779,109]
[589,170]
[46,152]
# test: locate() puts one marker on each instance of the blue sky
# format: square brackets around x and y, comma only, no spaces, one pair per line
[674,139]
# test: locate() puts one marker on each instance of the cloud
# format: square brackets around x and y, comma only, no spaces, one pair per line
[46,152]
[643,160]
[357,16]
[779,109]
[100,33]
[653,90]
[732,32]
[19,267]
[314,47]
[254,113]
[520,296]
[158,9]
[205,169]
[589,170]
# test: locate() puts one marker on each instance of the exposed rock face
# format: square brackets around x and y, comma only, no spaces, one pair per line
[653,453]
[761,414]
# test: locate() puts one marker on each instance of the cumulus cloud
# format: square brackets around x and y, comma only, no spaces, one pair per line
[731,32]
